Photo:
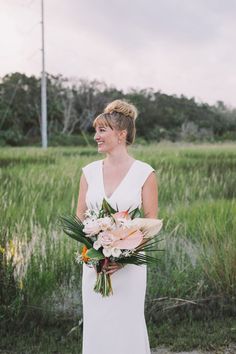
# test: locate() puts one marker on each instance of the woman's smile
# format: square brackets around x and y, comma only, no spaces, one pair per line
[106,138]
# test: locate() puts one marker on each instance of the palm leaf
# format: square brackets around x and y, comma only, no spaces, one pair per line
[138,259]
[136,213]
[148,242]
[73,227]
[107,208]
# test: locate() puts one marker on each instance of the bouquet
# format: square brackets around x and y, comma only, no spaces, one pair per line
[108,235]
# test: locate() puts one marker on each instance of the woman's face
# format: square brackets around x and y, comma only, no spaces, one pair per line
[106,138]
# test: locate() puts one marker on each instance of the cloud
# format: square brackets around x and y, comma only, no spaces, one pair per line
[181,20]
[177,46]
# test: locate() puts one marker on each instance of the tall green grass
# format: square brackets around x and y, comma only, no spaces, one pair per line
[197,188]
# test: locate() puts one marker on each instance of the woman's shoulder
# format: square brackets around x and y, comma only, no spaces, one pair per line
[92,165]
[144,165]
[141,172]
[91,170]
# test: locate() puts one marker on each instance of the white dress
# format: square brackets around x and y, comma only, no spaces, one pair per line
[116,324]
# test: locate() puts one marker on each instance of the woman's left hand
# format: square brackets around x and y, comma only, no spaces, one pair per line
[113,267]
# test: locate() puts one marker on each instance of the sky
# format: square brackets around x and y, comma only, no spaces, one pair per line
[174,46]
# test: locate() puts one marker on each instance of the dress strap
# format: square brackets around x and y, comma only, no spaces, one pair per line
[138,176]
[143,172]
[91,171]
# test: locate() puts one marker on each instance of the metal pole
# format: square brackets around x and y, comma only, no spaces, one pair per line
[43,89]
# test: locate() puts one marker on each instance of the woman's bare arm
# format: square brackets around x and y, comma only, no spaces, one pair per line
[150,197]
[81,205]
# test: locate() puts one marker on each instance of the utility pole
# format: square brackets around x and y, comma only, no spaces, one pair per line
[43,89]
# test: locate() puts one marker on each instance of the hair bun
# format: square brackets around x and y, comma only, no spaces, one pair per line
[120,106]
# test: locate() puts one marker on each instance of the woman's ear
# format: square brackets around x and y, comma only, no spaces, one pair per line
[123,134]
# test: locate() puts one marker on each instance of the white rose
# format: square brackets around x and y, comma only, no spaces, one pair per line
[116,252]
[107,251]
[105,223]
[91,227]
[105,238]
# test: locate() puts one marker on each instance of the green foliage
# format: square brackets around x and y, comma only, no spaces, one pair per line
[73,105]
[197,190]
[106,208]
[95,254]
[66,336]
[73,227]
[10,288]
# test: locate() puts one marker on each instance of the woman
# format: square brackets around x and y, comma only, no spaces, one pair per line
[116,324]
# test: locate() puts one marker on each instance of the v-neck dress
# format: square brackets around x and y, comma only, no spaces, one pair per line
[116,324]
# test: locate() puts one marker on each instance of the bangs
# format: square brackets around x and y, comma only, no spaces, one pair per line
[102,121]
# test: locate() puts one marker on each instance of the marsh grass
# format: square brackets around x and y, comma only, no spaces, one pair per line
[196,275]
[66,337]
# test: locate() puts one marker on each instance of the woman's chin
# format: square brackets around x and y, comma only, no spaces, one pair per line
[101,149]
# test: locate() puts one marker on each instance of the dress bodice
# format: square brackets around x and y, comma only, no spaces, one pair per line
[127,195]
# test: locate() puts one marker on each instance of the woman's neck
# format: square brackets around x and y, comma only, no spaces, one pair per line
[118,156]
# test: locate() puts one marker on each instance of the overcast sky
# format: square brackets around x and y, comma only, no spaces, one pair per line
[175,46]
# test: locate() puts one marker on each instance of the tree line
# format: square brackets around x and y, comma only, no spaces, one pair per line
[74,103]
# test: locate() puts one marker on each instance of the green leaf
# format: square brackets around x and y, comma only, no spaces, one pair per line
[73,227]
[136,213]
[95,254]
[107,207]
[139,259]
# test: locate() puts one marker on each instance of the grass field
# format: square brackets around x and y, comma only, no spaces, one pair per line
[194,286]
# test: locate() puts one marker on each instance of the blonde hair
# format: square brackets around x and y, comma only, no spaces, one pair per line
[121,115]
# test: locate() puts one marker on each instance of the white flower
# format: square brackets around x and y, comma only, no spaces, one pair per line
[127,253]
[78,257]
[116,252]
[91,227]
[105,223]
[107,251]
[97,244]
[106,238]
[91,213]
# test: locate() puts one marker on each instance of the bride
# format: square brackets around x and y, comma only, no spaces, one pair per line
[116,324]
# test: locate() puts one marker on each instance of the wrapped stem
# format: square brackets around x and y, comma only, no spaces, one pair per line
[103,282]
